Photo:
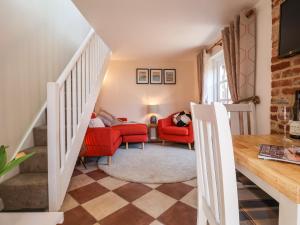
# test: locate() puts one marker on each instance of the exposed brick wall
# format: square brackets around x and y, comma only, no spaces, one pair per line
[285,73]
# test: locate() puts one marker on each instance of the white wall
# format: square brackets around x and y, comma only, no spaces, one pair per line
[121,95]
[38,38]
[263,65]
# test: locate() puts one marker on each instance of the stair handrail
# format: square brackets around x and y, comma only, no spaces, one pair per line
[74,59]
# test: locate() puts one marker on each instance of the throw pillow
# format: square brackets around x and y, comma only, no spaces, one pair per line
[96,122]
[107,114]
[182,119]
[106,120]
[117,122]
[109,119]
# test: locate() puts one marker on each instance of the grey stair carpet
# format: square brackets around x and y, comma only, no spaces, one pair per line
[25,191]
[29,190]
[40,135]
[37,163]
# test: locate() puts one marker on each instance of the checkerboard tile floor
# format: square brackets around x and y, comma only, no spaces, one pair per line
[94,198]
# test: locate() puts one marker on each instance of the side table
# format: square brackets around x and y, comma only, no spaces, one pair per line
[152,133]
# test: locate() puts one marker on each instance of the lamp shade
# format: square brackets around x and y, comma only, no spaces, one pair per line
[152,108]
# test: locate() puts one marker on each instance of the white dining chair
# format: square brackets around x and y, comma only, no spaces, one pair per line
[242,118]
[217,188]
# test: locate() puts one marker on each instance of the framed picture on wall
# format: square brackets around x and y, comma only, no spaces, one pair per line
[142,76]
[155,76]
[170,76]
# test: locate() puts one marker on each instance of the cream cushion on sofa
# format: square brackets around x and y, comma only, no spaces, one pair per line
[96,122]
[108,119]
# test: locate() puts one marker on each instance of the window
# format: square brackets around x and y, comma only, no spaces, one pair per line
[221,89]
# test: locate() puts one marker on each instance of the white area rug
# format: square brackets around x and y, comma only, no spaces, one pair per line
[154,164]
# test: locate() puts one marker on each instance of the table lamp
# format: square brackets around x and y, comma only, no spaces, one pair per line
[153,109]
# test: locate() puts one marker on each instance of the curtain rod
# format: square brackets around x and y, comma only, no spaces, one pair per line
[248,14]
[218,43]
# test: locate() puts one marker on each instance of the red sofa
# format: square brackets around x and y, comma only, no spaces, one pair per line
[104,141]
[168,131]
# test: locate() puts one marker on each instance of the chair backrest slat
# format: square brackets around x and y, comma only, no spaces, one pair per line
[234,122]
[217,189]
[246,124]
[211,173]
[242,118]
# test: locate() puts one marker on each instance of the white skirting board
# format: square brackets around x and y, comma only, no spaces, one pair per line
[45,218]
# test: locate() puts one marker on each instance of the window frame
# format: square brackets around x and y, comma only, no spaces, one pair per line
[217,62]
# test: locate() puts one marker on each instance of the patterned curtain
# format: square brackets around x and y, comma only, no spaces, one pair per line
[247,55]
[200,73]
[231,45]
[239,43]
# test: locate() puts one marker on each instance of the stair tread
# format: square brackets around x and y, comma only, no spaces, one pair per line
[26,179]
[37,149]
[25,191]
[41,127]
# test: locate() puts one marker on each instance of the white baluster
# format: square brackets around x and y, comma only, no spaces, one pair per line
[83,63]
[79,91]
[62,129]
[69,113]
[74,100]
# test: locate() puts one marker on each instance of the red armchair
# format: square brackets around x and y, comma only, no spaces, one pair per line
[168,131]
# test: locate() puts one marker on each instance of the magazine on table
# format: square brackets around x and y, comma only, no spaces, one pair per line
[280,153]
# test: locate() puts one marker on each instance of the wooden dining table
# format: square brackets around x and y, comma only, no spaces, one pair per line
[280,180]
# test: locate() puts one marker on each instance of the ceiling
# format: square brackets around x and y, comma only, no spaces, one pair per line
[159,29]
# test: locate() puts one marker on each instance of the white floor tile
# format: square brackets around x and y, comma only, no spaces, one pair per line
[104,205]
[154,203]
[111,183]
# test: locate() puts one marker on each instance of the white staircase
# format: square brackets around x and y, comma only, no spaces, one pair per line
[70,102]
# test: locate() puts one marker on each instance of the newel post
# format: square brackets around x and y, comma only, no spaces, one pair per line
[53,145]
